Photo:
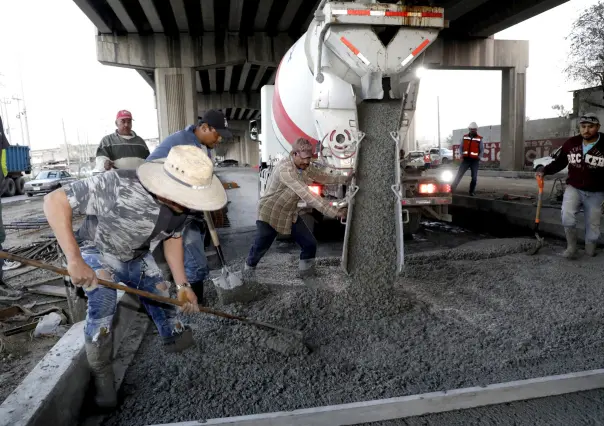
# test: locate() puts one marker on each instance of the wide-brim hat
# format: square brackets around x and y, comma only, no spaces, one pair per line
[185,177]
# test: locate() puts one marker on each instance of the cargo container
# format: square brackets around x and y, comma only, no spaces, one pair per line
[18,163]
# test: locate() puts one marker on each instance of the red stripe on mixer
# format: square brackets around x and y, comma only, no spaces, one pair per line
[287,127]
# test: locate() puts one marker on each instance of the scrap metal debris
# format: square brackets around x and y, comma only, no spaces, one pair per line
[45,251]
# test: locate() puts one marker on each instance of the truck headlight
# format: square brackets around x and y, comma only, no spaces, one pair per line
[446,176]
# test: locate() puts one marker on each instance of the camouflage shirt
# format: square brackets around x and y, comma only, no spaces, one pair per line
[127,216]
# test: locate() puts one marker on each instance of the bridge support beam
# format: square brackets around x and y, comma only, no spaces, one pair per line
[513,107]
[176,99]
[511,57]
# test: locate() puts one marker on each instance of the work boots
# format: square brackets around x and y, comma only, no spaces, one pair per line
[99,356]
[590,249]
[571,243]
[180,341]
[249,274]
[306,268]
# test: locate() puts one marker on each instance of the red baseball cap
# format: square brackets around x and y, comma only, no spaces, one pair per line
[123,114]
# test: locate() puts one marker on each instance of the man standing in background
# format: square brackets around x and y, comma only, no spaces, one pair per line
[206,134]
[471,150]
[122,149]
[584,156]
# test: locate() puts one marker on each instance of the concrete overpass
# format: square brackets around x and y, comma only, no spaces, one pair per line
[201,54]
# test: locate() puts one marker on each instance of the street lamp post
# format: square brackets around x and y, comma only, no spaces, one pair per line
[438,114]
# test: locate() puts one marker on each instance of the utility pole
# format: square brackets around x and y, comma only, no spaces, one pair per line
[27,142]
[4,102]
[66,145]
[19,117]
[438,114]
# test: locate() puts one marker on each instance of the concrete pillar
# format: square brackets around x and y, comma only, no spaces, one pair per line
[176,97]
[513,107]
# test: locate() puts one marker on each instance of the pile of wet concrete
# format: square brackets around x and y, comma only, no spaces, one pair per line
[480,314]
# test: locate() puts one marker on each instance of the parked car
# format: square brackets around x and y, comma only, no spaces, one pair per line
[228,163]
[416,160]
[47,181]
[445,156]
[540,163]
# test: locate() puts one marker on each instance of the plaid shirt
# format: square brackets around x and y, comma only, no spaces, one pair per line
[286,186]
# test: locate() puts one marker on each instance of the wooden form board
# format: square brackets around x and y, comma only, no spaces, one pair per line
[418,405]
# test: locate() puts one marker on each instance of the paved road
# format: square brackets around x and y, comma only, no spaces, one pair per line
[6,200]
[499,185]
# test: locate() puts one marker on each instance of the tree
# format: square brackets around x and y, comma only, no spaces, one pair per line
[586,57]
[561,111]
[449,141]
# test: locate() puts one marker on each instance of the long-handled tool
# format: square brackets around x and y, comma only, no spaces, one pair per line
[540,240]
[228,279]
[156,297]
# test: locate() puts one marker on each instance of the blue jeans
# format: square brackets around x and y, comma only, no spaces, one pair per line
[143,274]
[196,263]
[592,206]
[266,234]
[467,163]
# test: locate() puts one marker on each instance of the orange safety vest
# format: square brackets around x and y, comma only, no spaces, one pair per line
[471,146]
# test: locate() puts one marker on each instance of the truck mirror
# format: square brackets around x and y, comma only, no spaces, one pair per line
[254,127]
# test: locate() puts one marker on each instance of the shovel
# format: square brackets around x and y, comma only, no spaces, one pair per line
[162,299]
[227,280]
[540,240]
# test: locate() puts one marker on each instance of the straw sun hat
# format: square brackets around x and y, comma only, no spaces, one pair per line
[185,177]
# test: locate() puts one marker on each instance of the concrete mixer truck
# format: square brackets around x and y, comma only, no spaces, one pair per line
[355,59]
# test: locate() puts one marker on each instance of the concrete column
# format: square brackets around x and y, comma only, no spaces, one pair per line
[176,99]
[513,107]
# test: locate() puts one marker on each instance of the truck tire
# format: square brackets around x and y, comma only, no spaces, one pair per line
[414,224]
[10,188]
[20,185]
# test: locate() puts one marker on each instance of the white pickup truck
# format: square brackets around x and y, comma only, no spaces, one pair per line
[540,163]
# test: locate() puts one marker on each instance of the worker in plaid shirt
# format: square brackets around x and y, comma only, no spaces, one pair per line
[278,207]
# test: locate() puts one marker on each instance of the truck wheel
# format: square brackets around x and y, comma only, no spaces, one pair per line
[413,226]
[10,188]
[445,161]
[20,185]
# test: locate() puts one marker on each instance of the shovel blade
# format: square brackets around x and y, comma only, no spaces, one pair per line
[228,280]
[234,279]
[537,247]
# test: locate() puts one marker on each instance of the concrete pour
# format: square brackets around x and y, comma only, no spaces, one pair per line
[455,322]
[476,315]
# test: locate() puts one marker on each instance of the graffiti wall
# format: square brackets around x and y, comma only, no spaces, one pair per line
[532,149]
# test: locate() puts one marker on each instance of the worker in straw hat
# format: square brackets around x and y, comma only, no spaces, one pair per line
[133,207]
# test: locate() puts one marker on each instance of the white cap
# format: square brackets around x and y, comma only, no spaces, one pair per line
[473,125]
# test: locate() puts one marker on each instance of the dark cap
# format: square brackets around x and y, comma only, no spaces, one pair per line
[218,121]
[590,117]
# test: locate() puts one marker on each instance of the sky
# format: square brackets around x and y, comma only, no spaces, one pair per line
[467,96]
[55,59]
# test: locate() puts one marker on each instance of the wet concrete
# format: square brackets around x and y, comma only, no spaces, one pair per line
[482,313]
[452,322]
